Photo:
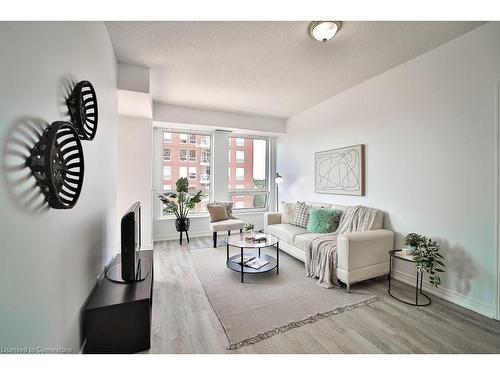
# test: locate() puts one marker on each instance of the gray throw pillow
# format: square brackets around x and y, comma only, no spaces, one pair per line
[301,215]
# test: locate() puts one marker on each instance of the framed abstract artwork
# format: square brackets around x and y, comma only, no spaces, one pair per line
[340,171]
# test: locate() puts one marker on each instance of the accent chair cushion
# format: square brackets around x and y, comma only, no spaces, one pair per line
[285,232]
[225,225]
[322,220]
[217,213]
[227,205]
[287,212]
[301,216]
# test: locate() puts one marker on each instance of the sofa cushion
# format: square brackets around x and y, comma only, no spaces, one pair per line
[286,232]
[225,225]
[301,215]
[302,241]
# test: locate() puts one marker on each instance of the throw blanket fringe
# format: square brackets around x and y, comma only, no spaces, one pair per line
[321,256]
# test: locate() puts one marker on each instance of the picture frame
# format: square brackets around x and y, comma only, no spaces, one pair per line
[340,171]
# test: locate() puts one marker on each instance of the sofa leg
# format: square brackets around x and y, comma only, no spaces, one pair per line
[215,239]
[348,287]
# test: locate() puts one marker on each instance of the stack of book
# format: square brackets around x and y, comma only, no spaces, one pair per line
[253,262]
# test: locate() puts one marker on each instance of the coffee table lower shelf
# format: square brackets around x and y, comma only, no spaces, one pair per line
[233,264]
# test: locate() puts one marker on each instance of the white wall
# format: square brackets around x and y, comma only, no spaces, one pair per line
[429,128]
[134,171]
[50,261]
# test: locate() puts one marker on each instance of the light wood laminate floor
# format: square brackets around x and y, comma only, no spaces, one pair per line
[184,321]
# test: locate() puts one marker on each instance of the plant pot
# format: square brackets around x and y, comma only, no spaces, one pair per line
[182,225]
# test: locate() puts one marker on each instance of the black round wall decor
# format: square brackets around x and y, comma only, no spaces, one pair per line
[56,161]
[82,105]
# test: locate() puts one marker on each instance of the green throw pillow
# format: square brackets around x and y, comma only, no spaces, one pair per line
[322,220]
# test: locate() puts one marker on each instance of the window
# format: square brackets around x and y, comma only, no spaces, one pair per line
[177,149]
[205,175]
[240,157]
[167,173]
[192,173]
[183,155]
[166,154]
[183,172]
[229,153]
[240,174]
[205,156]
[205,141]
[192,155]
[248,187]
[167,137]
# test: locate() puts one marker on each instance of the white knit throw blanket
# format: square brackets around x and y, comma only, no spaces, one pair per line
[321,256]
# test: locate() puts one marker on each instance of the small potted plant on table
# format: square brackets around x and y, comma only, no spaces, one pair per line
[249,230]
[180,204]
[426,256]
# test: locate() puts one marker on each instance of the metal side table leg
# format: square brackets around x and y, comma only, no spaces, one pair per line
[242,273]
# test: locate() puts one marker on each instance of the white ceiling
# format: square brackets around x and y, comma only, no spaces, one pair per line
[268,68]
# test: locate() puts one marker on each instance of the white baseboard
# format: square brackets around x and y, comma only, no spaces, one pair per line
[175,236]
[449,295]
[147,247]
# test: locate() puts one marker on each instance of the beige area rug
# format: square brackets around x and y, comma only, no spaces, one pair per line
[268,304]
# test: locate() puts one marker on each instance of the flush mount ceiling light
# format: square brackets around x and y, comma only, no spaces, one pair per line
[323,31]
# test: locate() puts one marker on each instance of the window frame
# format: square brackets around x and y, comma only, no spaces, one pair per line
[216,164]
[239,161]
[233,191]
[169,154]
[195,156]
[186,155]
[164,176]
[182,146]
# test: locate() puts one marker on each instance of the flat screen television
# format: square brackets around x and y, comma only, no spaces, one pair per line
[130,242]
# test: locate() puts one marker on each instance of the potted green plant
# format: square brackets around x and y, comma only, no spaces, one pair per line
[180,204]
[429,260]
[249,229]
[413,240]
[426,256]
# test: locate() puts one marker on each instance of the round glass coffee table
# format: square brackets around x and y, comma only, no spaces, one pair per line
[235,262]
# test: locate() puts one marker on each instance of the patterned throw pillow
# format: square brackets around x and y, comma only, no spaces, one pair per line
[287,212]
[301,216]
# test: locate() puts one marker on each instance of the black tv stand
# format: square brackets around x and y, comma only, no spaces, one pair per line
[118,315]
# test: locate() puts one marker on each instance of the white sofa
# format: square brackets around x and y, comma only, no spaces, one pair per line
[361,255]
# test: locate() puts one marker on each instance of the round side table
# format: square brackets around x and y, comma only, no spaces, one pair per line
[397,254]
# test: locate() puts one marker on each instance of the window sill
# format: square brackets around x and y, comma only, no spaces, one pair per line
[235,212]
